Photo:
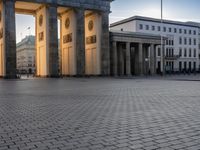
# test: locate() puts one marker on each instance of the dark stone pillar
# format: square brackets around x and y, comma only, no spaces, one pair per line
[152,59]
[80,42]
[141,60]
[114,59]
[128,59]
[53,42]
[105,47]
[10,38]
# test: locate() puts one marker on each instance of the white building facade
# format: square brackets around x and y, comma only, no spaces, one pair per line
[181,48]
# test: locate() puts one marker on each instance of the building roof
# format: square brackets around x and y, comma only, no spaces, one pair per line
[136,34]
[188,24]
[27,40]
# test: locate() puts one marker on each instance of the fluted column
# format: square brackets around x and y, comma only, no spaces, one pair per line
[80,42]
[105,52]
[8,39]
[53,41]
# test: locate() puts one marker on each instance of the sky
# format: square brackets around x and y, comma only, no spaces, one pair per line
[180,10]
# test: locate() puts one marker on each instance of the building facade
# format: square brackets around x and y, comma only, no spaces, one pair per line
[84,36]
[26,55]
[181,48]
[133,53]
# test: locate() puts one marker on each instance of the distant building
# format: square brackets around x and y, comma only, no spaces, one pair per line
[182,46]
[26,55]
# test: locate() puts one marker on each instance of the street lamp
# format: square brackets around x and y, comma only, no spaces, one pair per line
[162,43]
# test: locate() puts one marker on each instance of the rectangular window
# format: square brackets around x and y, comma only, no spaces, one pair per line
[153,28]
[180,66]
[185,41]
[195,42]
[180,30]
[180,40]
[190,65]
[194,32]
[195,53]
[190,41]
[185,65]
[164,29]
[185,52]
[141,26]
[190,52]
[185,31]
[158,28]
[147,27]
[175,30]
[194,66]
[180,52]
[159,51]
[190,32]
[170,29]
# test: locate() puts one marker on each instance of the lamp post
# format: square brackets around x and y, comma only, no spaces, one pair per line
[162,43]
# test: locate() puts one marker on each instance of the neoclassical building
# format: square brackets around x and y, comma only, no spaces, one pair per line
[84,38]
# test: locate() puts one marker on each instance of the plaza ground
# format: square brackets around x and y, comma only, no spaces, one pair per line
[100,113]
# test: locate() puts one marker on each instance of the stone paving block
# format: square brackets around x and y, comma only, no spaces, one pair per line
[99,113]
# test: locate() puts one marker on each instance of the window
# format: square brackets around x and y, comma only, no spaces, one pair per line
[180,40]
[190,32]
[170,29]
[185,41]
[194,65]
[185,52]
[172,42]
[147,27]
[180,30]
[141,26]
[194,32]
[180,52]
[158,28]
[195,53]
[185,65]
[164,29]
[185,31]
[167,52]
[175,30]
[180,66]
[190,65]
[195,42]
[153,28]
[190,41]
[190,52]
[159,52]
[167,42]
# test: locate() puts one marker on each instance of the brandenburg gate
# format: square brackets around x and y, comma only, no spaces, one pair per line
[84,36]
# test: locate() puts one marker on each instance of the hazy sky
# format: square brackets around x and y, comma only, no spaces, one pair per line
[182,10]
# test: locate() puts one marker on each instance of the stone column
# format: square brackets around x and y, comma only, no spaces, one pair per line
[141,60]
[80,42]
[121,57]
[128,59]
[8,39]
[105,55]
[53,41]
[114,59]
[152,59]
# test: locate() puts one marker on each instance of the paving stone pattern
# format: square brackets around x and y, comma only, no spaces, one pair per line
[99,113]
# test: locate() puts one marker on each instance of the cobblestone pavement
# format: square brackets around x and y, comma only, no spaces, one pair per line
[103,113]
